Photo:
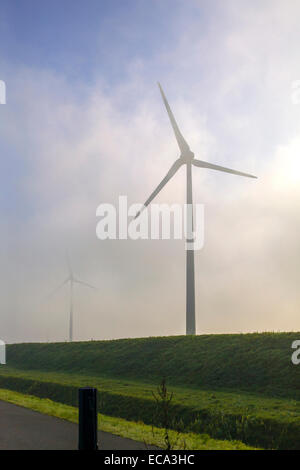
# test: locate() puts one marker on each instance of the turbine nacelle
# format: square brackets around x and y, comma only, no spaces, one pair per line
[187,156]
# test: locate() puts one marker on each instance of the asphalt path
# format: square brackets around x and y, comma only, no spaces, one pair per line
[24,429]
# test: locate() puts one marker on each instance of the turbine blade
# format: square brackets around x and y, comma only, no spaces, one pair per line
[57,288]
[180,140]
[168,176]
[84,283]
[211,166]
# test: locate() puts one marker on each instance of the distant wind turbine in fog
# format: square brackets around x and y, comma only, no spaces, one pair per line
[187,158]
[72,280]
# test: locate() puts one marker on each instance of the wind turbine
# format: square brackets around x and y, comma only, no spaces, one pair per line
[72,280]
[187,158]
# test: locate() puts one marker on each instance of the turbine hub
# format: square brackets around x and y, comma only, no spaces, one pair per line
[188,156]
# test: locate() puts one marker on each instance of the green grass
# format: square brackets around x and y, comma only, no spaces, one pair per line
[260,362]
[233,387]
[137,431]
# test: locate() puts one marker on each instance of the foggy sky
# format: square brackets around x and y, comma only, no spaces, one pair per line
[89,127]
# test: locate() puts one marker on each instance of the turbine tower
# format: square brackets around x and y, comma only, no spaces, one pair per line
[187,158]
[72,280]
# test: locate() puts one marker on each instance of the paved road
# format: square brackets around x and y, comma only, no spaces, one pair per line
[21,428]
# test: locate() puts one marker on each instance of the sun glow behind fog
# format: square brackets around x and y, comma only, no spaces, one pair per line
[286,173]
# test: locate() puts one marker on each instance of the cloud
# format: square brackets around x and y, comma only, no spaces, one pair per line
[70,146]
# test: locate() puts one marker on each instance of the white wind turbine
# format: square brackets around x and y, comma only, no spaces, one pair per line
[72,280]
[187,158]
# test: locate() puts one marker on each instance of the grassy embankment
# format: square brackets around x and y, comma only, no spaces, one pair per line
[234,387]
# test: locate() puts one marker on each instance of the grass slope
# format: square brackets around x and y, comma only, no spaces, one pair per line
[251,362]
[235,387]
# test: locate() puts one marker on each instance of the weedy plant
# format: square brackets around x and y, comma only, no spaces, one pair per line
[165,417]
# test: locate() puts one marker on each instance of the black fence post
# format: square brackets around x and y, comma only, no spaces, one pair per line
[87,399]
